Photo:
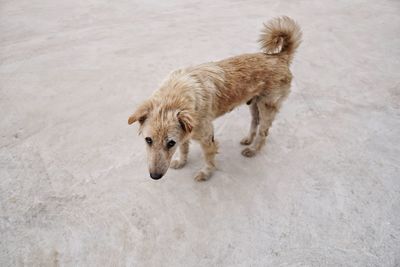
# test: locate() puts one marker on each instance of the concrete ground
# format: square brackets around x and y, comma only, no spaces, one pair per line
[74,186]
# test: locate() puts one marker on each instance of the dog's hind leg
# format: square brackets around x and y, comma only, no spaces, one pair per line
[183,155]
[255,118]
[268,106]
[267,115]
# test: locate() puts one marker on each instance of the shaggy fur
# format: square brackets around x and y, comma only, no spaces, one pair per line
[190,99]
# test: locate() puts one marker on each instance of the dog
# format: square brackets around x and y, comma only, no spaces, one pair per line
[187,102]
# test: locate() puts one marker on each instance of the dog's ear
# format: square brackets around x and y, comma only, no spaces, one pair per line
[186,121]
[141,113]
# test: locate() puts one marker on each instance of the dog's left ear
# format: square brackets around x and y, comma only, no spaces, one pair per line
[186,121]
[141,113]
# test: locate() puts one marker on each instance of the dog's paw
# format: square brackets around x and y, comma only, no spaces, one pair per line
[246,141]
[248,152]
[201,176]
[177,164]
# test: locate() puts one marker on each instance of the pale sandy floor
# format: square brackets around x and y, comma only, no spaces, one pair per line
[74,185]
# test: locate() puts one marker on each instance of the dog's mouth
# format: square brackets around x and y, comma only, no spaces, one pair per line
[156,176]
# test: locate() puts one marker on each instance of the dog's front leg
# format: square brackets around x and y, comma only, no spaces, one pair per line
[210,148]
[183,155]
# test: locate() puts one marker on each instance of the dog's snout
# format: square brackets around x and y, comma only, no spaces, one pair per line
[156,176]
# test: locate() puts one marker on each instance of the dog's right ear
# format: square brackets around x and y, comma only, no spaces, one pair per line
[141,113]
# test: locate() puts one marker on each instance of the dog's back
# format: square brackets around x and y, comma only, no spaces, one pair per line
[260,74]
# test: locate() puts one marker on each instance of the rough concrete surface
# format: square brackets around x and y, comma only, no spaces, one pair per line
[74,184]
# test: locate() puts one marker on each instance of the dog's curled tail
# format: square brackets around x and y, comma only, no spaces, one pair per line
[281,36]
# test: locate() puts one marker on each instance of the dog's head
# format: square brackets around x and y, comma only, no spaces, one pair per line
[164,128]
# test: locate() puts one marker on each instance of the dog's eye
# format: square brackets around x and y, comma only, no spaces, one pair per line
[171,144]
[148,140]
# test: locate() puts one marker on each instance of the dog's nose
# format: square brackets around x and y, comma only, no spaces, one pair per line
[156,176]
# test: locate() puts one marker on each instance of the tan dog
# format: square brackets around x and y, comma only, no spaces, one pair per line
[190,99]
